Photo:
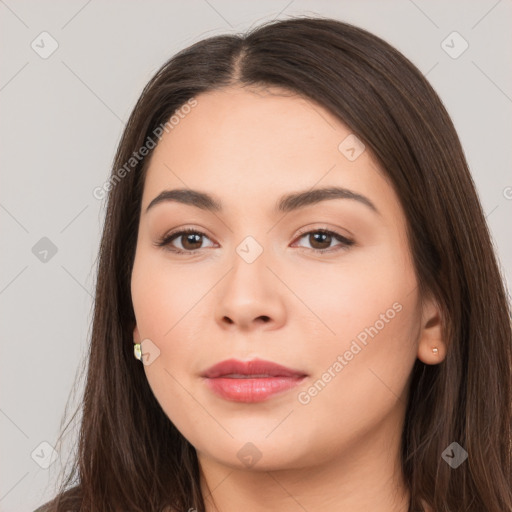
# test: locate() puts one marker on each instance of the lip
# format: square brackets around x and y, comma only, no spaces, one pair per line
[251,381]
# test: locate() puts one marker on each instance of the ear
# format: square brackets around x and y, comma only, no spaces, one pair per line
[431,335]
[136,335]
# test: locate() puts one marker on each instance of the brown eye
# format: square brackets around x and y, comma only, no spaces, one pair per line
[189,239]
[320,241]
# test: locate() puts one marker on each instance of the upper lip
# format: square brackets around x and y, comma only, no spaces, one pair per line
[256,367]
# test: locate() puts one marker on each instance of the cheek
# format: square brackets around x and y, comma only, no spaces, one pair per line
[359,380]
[164,294]
[349,295]
[165,301]
[369,319]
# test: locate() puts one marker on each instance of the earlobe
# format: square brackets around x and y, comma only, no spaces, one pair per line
[431,354]
[431,343]
[137,351]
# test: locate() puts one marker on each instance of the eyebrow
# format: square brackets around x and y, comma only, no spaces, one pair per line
[285,204]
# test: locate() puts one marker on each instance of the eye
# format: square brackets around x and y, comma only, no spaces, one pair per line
[320,240]
[190,239]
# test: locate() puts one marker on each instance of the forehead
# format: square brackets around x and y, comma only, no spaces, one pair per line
[246,143]
[242,122]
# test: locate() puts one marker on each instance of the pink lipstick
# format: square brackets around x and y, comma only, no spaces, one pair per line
[250,381]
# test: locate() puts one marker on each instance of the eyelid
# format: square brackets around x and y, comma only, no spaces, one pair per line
[322,227]
[168,237]
[345,242]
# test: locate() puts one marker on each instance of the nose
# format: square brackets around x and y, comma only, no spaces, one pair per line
[250,296]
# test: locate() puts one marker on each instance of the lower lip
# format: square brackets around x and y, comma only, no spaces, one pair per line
[251,390]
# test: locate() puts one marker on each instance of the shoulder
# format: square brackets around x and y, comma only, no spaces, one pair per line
[67,501]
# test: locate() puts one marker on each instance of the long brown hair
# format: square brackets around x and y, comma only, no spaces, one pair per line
[131,457]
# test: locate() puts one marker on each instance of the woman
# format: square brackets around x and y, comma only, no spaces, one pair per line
[295,254]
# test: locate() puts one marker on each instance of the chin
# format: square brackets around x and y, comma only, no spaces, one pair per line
[255,453]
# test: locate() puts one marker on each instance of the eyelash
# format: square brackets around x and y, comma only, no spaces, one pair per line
[167,239]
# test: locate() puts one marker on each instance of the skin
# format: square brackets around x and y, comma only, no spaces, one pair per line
[301,309]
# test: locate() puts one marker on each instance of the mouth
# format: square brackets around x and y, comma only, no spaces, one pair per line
[251,381]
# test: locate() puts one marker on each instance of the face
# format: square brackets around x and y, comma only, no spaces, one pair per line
[324,288]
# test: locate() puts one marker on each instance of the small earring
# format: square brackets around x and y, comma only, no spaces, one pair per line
[435,350]
[137,351]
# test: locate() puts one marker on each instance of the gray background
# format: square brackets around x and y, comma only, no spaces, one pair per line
[62,117]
